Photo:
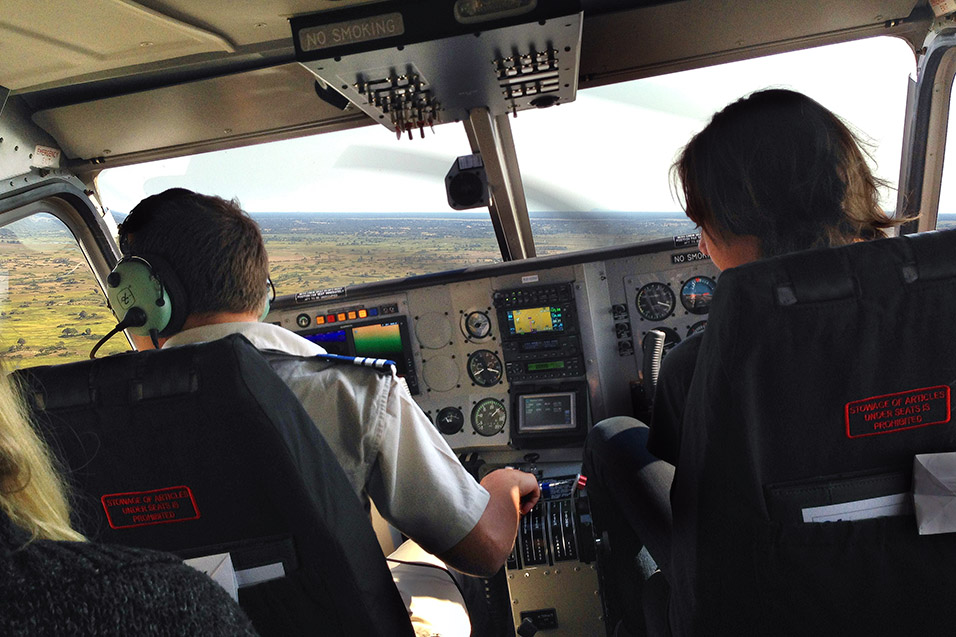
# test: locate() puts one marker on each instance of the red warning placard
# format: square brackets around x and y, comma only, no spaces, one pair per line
[141,508]
[898,412]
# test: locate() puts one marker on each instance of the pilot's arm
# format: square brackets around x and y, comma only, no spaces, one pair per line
[484,550]
[422,489]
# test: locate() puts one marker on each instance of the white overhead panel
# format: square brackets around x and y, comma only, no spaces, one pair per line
[410,65]
[231,109]
[56,39]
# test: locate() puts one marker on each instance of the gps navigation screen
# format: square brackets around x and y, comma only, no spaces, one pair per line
[536,319]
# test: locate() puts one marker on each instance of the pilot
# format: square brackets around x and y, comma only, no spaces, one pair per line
[389,449]
[772,173]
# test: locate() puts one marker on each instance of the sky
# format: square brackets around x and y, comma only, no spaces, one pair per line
[609,150]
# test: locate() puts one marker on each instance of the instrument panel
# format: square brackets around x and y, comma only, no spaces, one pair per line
[519,356]
[513,363]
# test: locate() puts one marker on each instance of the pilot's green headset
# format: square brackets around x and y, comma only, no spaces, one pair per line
[144,292]
[270,297]
[148,299]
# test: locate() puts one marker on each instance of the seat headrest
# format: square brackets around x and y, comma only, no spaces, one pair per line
[859,270]
[122,379]
[933,256]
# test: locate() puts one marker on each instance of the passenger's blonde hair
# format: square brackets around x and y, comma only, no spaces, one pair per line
[32,494]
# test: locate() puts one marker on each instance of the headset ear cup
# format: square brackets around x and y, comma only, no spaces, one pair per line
[270,296]
[133,283]
[176,293]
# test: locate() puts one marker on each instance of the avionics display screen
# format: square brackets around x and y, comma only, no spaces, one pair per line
[382,339]
[536,319]
[545,367]
[547,412]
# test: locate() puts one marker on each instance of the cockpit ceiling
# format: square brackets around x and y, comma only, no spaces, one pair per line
[53,42]
[227,69]
[57,42]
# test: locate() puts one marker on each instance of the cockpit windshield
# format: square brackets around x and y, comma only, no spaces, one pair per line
[358,205]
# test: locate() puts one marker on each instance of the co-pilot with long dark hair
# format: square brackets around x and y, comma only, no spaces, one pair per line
[772,173]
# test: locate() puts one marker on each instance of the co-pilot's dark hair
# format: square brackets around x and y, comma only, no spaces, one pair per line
[779,166]
[215,249]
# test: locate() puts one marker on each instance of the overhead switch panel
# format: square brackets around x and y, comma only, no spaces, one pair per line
[409,65]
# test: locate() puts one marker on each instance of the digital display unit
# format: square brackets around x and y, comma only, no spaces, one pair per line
[546,366]
[547,412]
[384,338]
[533,320]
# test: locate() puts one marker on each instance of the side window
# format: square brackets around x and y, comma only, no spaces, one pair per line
[52,310]
[946,212]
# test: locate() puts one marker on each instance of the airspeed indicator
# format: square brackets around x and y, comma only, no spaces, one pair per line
[655,301]
[489,417]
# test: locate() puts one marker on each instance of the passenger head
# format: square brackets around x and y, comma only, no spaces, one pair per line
[31,492]
[782,172]
[213,247]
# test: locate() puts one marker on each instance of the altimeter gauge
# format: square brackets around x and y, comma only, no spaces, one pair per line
[484,368]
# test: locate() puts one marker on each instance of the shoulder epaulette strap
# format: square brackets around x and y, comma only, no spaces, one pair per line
[377,363]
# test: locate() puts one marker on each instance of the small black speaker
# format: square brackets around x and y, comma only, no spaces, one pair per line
[467,184]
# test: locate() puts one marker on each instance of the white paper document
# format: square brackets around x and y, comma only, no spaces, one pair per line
[934,492]
[896,504]
[219,568]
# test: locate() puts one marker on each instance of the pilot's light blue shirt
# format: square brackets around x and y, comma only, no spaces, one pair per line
[388,448]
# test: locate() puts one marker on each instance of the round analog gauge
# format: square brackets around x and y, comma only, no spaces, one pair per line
[696,327]
[489,417]
[450,420]
[477,325]
[655,301]
[484,368]
[671,338]
[697,293]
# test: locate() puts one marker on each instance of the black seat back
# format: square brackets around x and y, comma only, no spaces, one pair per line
[820,375]
[201,450]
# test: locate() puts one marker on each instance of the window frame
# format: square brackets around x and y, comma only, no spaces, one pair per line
[70,204]
[924,145]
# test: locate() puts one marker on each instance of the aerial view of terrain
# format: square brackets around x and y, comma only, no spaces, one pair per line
[52,310]
[319,250]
